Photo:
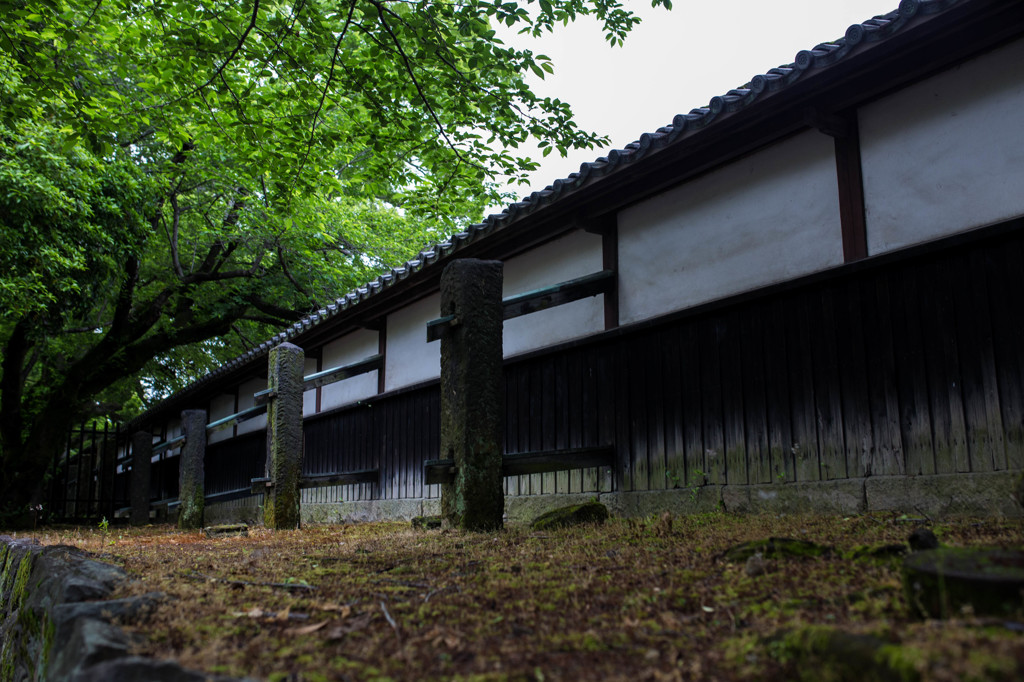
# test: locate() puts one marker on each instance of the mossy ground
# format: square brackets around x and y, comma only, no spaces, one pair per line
[631,599]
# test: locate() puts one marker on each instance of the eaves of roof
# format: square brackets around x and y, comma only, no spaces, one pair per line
[865,61]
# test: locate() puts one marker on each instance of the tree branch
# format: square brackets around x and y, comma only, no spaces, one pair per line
[412,76]
[327,85]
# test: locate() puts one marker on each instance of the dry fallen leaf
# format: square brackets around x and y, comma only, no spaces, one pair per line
[357,623]
[306,629]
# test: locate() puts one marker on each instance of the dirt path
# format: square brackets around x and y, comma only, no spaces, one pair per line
[631,600]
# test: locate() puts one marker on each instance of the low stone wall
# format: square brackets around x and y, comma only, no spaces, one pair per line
[57,623]
[936,497]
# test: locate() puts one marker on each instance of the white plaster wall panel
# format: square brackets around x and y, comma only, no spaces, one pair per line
[350,348]
[221,406]
[577,254]
[946,154]
[245,400]
[410,359]
[766,218]
[309,397]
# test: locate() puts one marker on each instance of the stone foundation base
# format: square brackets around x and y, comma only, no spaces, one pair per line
[935,497]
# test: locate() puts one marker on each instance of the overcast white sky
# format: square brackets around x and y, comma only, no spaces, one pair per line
[675,61]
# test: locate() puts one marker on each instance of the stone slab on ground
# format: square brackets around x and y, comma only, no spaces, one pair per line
[227,530]
[573,515]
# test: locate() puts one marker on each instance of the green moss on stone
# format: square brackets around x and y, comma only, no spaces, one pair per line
[426,522]
[588,512]
[7,662]
[20,588]
[825,654]
[940,583]
[775,548]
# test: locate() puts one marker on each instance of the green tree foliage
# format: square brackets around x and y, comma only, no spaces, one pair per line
[178,177]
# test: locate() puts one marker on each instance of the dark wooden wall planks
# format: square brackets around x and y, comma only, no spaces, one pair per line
[912,366]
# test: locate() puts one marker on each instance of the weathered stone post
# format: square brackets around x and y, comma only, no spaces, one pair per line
[142,455]
[472,395]
[284,437]
[191,475]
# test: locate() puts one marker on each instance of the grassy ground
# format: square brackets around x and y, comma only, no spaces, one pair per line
[647,599]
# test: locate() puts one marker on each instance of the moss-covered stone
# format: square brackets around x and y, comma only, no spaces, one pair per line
[588,512]
[227,530]
[878,552]
[19,590]
[941,583]
[825,654]
[775,548]
[427,522]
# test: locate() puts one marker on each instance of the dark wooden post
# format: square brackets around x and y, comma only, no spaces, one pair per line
[472,395]
[284,437]
[191,476]
[142,456]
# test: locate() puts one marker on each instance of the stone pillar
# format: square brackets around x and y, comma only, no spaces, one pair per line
[139,482]
[191,483]
[284,437]
[472,394]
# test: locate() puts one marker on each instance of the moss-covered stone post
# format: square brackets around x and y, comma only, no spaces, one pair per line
[191,475]
[472,394]
[284,437]
[142,455]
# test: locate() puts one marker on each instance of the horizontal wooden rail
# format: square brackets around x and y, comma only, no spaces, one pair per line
[237,418]
[169,444]
[558,294]
[260,485]
[542,462]
[534,301]
[329,376]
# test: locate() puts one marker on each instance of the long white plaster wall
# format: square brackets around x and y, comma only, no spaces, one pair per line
[577,254]
[946,154]
[221,406]
[350,348]
[766,218]
[409,358]
[245,401]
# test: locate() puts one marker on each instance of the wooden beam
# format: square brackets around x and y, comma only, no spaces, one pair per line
[541,462]
[441,327]
[382,351]
[438,471]
[336,374]
[341,478]
[169,444]
[557,460]
[237,418]
[559,294]
[329,376]
[260,485]
[610,263]
[851,192]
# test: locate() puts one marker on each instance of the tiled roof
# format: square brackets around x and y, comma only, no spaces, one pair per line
[825,54]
